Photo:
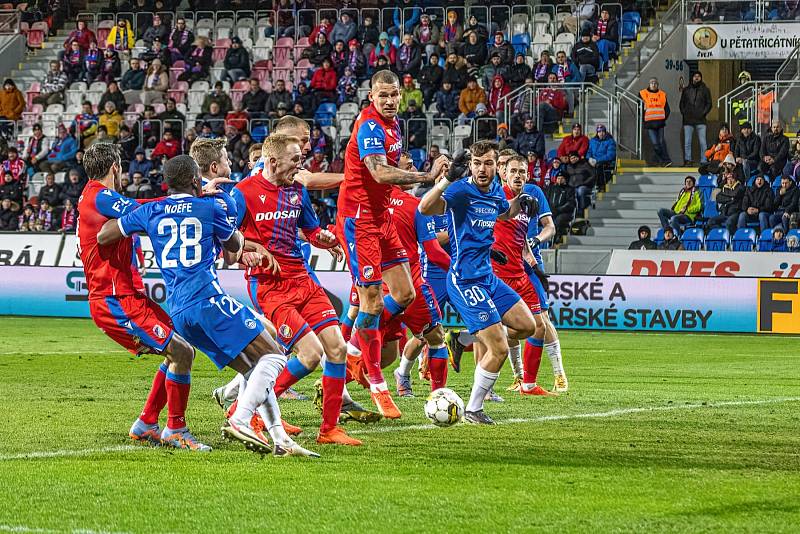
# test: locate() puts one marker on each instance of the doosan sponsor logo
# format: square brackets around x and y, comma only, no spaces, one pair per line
[276,215]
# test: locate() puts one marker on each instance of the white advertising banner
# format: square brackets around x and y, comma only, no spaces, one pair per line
[31,250]
[712,264]
[742,41]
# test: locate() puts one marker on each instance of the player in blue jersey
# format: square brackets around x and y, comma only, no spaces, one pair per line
[485,302]
[186,232]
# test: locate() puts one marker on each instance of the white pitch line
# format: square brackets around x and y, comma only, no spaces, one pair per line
[594,415]
[66,453]
[29,530]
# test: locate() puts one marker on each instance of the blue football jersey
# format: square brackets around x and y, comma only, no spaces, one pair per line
[473,214]
[187,234]
[544,211]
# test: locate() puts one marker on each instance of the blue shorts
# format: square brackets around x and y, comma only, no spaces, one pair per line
[481,303]
[439,286]
[541,292]
[220,326]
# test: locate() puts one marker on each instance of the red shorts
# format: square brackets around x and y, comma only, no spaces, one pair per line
[422,315]
[134,321]
[522,286]
[296,306]
[370,247]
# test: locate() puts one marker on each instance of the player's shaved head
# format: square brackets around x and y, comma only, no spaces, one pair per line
[283,158]
[295,127]
[206,151]
[99,158]
[180,173]
[384,93]
[384,76]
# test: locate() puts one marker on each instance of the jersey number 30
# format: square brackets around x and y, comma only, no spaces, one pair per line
[190,231]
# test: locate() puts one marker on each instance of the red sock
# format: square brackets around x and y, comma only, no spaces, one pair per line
[290,375]
[371,342]
[332,387]
[401,343]
[531,359]
[355,339]
[157,398]
[347,331]
[178,387]
[438,370]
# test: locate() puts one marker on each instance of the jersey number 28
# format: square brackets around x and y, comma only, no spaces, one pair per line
[189,231]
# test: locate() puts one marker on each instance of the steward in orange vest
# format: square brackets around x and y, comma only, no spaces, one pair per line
[656,106]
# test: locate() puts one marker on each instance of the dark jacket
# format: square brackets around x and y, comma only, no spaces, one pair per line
[506,52]
[316,53]
[532,141]
[416,127]
[238,58]
[457,77]
[117,98]
[255,102]
[695,103]
[579,174]
[430,76]
[517,73]
[476,54]
[759,197]
[612,30]
[8,218]
[278,97]
[729,199]
[51,193]
[672,244]
[646,244]
[11,190]
[447,103]
[586,54]
[777,146]
[412,64]
[561,199]
[132,80]
[788,201]
[72,191]
[748,147]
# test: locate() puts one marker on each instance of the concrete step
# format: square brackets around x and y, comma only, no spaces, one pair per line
[603,242]
[622,223]
[625,213]
[648,189]
[642,204]
[614,231]
[636,195]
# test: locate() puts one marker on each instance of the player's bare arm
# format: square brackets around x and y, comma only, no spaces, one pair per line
[318,181]
[110,233]
[433,203]
[212,187]
[384,173]
[514,208]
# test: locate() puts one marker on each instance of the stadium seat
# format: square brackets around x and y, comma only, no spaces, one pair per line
[521,42]
[204,28]
[259,133]
[764,240]
[36,34]
[245,28]
[631,21]
[564,43]
[519,23]
[540,43]
[221,46]
[718,239]
[460,133]
[263,48]
[659,236]
[282,49]
[541,28]
[744,240]
[325,114]
[301,70]
[103,29]
[692,239]
[793,240]
[418,156]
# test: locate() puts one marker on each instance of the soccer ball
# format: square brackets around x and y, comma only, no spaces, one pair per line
[444,407]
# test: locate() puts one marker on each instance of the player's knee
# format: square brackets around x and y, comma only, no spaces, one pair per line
[371,300]
[181,353]
[435,336]
[337,353]
[404,296]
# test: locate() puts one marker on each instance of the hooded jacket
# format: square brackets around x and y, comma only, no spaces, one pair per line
[494,103]
[603,150]
[571,143]
[561,198]
[643,244]
[695,103]
[729,199]
[759,197]
[720,150]
[530,141]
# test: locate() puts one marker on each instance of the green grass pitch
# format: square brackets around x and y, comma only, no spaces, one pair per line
[658,433]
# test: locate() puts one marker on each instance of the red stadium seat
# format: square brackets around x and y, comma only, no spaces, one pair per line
[221,46]
[36,34]
[282,50]
[103,29]
[178,91]
[33,91]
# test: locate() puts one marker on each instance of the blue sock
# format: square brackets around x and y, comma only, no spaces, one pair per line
[296,367]
[438,352]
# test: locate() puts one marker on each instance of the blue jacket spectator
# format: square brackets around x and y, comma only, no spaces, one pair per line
[140,164]
[447,102]
[778,243]
[412,16]
[530,140]
[602,149]
[62,151]
[565,70]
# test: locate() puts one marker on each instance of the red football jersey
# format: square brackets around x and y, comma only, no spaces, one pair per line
[413,228]
[509,237]
[360,196]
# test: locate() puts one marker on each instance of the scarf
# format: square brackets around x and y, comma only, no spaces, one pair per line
[541,70]
[405,54]
[563,72]
[450,32]
[152,81]
[74,57]
[121,40]
[424,34]
[602,28]
[91,59]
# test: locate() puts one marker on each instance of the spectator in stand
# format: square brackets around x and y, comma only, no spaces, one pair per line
[581,176]
[602,155]
[73,188]
[72,63]
[729,204]
[447,102]
[255,99]
[427,34]
[188,139]
[140,163]
[384,48]
[787,203]
[317,162]
[656,113]
[337,165]
[148,128]
[45,217]
[132,82]
[219,96]
[671,241]
[408,92]
[537,169]
[455,72]
[644,242]
[719,152]
[757,204]
[156,84]
[347,87]
[110,66]
[746,149]
[494,68]
[180,41]
[111,118]
[278,95]
[433,153]
[774,151]
[565,70]
[9,215]
[473,26]
[304,97]
[344,29]
[319,50]
[15,166]
[551,104]
[355,59]
[496,101]
[240,153]
[53,86]
[542,68]
[172,118]
[82,35]
[156,30]
[12,102]
[127,144]
[77,166]
[323,84]
[518,72]
[576,142]
[606,37]
[198,63]
[339,57]
[85,124]
[11,188]
[587,57]
[114,95]
[367,34]
[484,125]
[121,36]
[530,140]
[409,57]
[215,118]
[503,138]
[157,50]
[778,241]
[62,152]
[468,100]
[475,52]
[318,139]
[553,171]
[237,118]
[561,197]
[102,136]
[703,11]
[502,47]
[50,190]
[452,32]
[139,188]
[37,148]
[168,146]
[27,220]
[685,209]
[325,27]
[69,217]
[792,167]
[695,105]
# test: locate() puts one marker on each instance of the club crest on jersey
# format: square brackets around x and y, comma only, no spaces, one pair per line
[285,331]
[294,198]
[159,332]
[263,198]
[250,323]
[368,271]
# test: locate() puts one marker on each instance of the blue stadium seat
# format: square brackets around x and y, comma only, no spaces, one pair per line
[718,239]
[521,43]
[237,176]
[630,25]
[692,239]
[709,205]
[793,233]
[326,112]
[764,240]
[259,133]
[659,236]
[418,156]
[776,184]
[552,154]
[744,240]
[707,180]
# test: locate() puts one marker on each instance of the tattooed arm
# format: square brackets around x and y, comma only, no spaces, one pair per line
[383,173]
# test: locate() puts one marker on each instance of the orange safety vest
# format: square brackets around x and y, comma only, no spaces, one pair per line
[655,105]
[765,101]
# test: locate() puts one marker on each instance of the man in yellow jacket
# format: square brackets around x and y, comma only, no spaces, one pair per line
[121,37]
[685,210]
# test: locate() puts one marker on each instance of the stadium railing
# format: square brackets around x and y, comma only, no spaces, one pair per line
[761,102]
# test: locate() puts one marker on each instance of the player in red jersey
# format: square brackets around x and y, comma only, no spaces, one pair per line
[271,209]
[124,313]
[374,252]
[510,238]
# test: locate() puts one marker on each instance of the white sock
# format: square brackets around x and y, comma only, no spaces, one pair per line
[465,338]
[515,357]
[230,391]
[404,369]
[483,382]
[377,388]
[346,395]
[261,380]
[270,412]
[553,350]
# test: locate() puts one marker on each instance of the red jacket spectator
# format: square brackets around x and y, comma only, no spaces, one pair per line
[167,147]
[237,119]
[537,171]
[555,97]
[499,89]
[577,142]
[82,35]
[324,79]
[324,26]
[15,167]
[384,48]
